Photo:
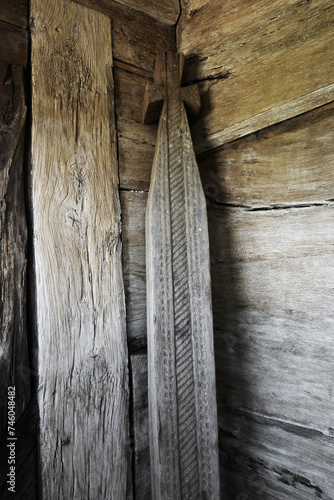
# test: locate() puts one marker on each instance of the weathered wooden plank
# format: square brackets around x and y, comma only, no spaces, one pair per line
[140,423]
[264,63]
[167,12]
[181,377]
[133,237]
[272,274]
[14,12]
[83,375]
[266,458]
[136,36]
[13,45]
[288,163]
[13,244]
[135,163]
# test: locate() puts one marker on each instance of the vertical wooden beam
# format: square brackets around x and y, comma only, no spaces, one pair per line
[181,374]
[83,373]
[13,243]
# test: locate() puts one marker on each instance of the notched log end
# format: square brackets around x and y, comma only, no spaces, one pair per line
[153,102]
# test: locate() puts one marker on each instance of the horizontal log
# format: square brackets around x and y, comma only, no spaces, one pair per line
[14,12]
[167,11]
[288,163]
[258,64]
[267,458]
[13,45]
[272,274]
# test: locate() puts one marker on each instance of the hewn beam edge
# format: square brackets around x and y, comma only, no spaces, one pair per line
[272,116]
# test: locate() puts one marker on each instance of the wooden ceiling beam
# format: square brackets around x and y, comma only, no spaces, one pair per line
[165,11]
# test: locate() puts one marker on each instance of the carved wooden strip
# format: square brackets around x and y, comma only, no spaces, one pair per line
[13,245]
[184,457]
[82,363]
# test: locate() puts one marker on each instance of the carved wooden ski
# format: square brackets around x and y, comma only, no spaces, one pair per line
[182,397]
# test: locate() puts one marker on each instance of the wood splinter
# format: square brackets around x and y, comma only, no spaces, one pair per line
[182,397]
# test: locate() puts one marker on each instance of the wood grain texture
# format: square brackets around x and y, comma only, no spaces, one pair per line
[166,11]
[140,423]
[272,275]
[13,244]
[289,163]
[259,63]
[134,258]
[13,45]
[83,375]
[136,36]
[14,12]
[268,458]
[181,377]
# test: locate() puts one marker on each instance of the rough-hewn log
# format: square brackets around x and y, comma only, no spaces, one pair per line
[83,375]
[166,11]
[13,237]
[136,36]
[259,63]
[289,163]
[13,45]
[14,12]
[181,376]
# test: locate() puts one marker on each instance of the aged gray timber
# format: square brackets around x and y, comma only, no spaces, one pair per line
[83,375]
[182,401]
[13,242]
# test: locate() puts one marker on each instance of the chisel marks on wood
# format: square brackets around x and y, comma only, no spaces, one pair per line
[83,379]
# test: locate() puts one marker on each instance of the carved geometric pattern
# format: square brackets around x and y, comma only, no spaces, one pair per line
[182,402]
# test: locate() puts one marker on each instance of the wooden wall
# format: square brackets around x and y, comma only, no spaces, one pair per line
[265,150]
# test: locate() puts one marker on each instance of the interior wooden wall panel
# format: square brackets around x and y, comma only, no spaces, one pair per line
[166,11]
[83,373]
[14,12]
[289,163]
[258,63]
[13,45]
[265,458]
[272,274]
[136,36]
[13,247]
[133,222]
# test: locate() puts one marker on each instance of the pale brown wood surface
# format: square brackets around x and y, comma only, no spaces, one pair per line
[83,374]
[13,245]
[166,11]
[286,164]
[13,45]
[259,63]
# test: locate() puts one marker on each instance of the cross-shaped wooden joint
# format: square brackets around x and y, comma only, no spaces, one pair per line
[157,92]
